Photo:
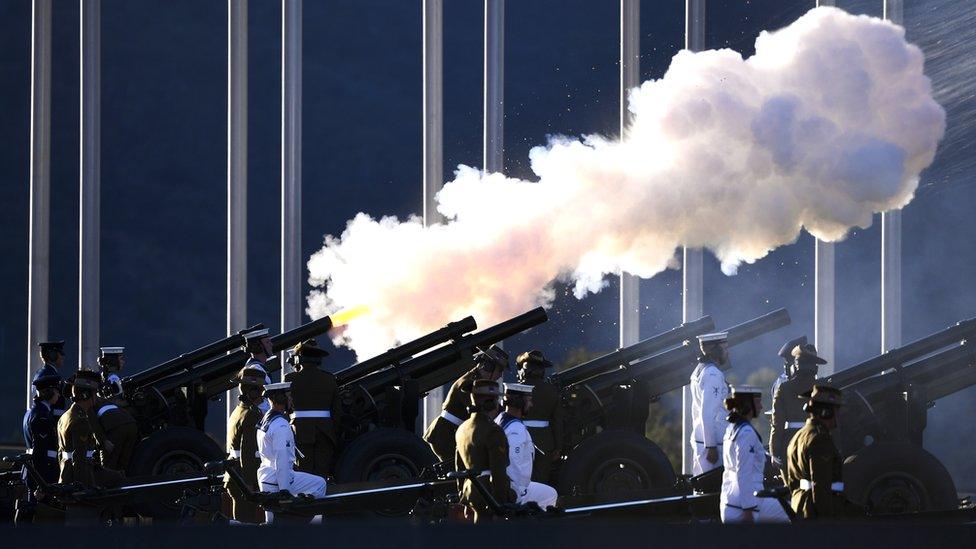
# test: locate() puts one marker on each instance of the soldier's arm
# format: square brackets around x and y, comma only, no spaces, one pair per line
[237,435]
[497,465]
[777,445]
[98,433]
[712,396]
[822,460]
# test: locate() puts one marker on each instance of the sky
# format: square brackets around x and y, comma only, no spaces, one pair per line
[164,168]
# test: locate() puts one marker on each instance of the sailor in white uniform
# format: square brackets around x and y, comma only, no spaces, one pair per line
[745,462]
[708,392]
[257,343]
[276,448]
[521,450]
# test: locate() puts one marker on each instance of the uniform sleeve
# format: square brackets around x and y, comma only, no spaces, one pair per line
[825,467]
[497,465]
[283,448]
[777,442]
[713,394]
[236,435]
[519,456]
[746,449]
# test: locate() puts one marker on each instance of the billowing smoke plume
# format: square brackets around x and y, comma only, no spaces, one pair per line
[830,121]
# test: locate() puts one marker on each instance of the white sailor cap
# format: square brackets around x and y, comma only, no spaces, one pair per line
[275,387]
[255,334]
[112,350]
[518,389]
[746,390]
[713,337]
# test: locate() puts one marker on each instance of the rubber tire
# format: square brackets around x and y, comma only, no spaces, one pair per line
[194,447]
[359,455]
[873,464]
[587,458]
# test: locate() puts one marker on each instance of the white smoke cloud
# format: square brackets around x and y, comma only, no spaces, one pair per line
[831,121]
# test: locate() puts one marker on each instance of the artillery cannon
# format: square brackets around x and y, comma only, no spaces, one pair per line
[605,415]
[379,398]
[885,414]
[169,402]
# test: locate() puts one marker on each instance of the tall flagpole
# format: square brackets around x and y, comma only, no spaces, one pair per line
[40,186]
[291,166]
[891,243]
[90,185]
[629,79]
[236,173]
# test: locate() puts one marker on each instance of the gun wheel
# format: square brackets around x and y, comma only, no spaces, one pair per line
[613,463]
[891,478]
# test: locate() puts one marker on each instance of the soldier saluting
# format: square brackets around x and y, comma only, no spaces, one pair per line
[708,392]
[786,353]
[788,409]
[482,446]
[490,364]
[313,392]
[242,442]
[545,417]
[52,355]
[110,364]
[813,467]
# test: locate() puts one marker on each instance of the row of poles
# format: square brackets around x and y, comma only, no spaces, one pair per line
[291,174]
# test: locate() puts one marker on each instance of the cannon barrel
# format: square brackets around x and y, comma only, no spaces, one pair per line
[186,360]
[625,355]
[452,331]
[667,371]
[217,374]
[904,354]
[937,376]
[433,369]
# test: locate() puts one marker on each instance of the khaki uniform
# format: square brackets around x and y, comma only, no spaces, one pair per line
[788,415]
[545,423]
[242,443]
[813,473]
[313,392]
[118,427]
[483,446]
[77,442]
[440,434]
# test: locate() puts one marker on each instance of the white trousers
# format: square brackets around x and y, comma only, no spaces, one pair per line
[769,511]
[543,494]
[701,465]
[301,483]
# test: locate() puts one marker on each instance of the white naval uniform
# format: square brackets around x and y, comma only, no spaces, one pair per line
[257,364]
[276,448]
[745,462]
[708,392]
[521,452]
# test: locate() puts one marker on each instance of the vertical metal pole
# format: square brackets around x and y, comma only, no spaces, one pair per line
[629,78]
[823,293]
[891,243]
[291,166]
[433,141]
[692,303]
[494,86]
[90,187]
[236,173]
[40,185]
